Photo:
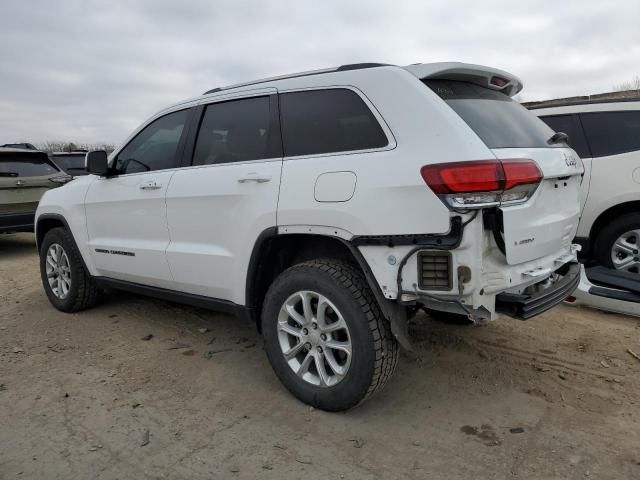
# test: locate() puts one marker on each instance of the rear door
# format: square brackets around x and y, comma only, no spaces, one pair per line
[217,208]
[547,222]
[24,177]
[126,213]
[614,138]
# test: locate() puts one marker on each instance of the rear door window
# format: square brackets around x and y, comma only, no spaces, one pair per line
[327,121]
[237,131]
[570,124]
[499,121]
[25,166]
[612,133]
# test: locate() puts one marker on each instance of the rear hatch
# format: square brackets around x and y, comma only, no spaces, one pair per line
[24,177]
[547,221]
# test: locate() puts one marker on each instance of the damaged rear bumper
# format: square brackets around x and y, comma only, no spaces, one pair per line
[524,305]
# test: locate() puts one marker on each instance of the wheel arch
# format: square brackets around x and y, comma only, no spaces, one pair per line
[607,216]
[274,252]
[48,221]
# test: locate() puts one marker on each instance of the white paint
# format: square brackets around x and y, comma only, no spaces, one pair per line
[335,187]
[610,180]
[196,232]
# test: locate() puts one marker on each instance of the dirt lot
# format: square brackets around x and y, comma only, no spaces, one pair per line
[85,396]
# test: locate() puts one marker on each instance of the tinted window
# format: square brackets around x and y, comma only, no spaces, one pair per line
[72,163]
[154,148]
[611,133]
[570,124]
[324,121]
[499,121]
[25,166]
[235,131]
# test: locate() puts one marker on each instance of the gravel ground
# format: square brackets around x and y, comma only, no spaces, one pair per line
[140,388]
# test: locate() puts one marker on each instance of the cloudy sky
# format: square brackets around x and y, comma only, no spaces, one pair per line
[91,71]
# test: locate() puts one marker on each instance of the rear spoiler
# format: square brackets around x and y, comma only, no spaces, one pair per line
[480,75]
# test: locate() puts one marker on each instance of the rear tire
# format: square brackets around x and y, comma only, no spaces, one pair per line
[67,284]
[620,240]
[339,302]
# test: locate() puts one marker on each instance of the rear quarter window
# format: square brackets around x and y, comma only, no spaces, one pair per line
[25,166]
[570,124]
[499,121]
[612,133]
[327,121]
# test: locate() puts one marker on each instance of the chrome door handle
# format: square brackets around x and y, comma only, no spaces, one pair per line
[150,186]
[252,177]
[19,183]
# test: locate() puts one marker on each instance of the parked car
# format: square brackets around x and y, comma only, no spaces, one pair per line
[70,162]
[23,146]
[24,176]
[328,207]
[606,135]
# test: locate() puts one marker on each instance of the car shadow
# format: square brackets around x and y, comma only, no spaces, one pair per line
[13,244]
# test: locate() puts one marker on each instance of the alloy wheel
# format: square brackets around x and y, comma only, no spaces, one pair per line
[314,338]
[58,271]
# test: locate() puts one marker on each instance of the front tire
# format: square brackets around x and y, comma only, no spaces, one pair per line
[325,336]
[618,244]
[66,282]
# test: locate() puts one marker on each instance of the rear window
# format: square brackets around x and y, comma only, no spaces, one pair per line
[73,164]
[612,133]
[570,124]
[499,121]
[327,121]
[25,166]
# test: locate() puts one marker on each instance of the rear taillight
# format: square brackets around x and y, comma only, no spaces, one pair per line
[61,179]
[483,183]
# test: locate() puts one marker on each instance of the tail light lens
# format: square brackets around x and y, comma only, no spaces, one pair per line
[483,183]
[61,179]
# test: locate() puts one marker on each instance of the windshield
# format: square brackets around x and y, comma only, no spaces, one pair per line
[499,121]
[71,164]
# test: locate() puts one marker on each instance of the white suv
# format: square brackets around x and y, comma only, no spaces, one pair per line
[328,207]
[606,135]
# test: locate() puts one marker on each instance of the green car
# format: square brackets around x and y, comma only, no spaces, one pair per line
[24,177]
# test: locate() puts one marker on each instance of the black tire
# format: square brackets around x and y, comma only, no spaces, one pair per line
[375,351]
[83,292]
[607,236]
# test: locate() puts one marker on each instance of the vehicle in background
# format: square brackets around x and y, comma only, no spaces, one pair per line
[609,290]
[72,163]
[606,135]
[23,146]
[328,207]
[24,177]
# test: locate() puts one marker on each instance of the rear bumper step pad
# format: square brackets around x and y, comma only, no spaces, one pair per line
[526,306]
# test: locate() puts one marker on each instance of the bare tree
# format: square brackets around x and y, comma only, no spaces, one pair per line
[633,84]
[59,146]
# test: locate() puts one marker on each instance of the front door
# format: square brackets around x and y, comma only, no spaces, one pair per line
[126,212]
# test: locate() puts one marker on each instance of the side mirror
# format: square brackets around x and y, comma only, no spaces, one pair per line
[96,162]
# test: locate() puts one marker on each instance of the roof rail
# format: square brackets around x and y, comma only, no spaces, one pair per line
[341,68]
